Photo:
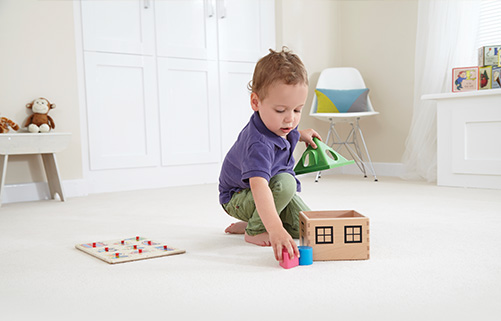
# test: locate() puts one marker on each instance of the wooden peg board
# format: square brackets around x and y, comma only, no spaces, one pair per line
[126,250]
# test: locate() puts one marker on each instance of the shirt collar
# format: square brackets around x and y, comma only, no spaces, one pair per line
[274,138]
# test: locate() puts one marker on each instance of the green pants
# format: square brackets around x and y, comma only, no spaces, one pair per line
[287,203]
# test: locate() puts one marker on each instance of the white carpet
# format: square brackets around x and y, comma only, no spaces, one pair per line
[435,255]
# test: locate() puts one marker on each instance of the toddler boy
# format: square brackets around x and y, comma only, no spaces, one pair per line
[257,184]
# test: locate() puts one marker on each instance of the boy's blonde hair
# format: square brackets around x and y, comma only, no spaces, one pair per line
[277,66]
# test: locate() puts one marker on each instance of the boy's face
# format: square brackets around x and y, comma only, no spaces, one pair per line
[281,110]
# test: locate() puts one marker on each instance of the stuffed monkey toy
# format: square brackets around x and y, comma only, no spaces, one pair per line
[5,123]
[40,121]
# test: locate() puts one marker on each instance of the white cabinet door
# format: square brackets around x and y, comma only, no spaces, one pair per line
[246,29]
[120,26]
[166,85]
[189,111]
[235,100]
[186,29]
[122,111]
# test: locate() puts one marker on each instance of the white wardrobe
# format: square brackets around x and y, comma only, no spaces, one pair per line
[166,87]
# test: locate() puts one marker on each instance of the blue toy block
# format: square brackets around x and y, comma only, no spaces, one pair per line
[305,255]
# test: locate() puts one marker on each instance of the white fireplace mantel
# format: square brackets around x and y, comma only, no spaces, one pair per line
[468,138]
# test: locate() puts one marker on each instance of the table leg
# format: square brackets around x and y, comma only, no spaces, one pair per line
[53,178]
[3,172]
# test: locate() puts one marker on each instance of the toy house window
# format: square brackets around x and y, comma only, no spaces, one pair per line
[324,235]
[353,234]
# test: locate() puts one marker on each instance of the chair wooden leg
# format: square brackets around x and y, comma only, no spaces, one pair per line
[53,178]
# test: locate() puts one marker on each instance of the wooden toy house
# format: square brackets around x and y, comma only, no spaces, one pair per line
[335,235]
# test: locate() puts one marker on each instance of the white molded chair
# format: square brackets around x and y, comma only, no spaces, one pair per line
[345,78]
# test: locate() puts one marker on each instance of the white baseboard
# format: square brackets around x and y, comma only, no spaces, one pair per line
[76,188]
[381,169]
[40,191]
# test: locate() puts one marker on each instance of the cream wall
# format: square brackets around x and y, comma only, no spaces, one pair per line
[376,37]
[37,59]
[380,41]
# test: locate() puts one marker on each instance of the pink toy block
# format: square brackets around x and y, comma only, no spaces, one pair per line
[287,263]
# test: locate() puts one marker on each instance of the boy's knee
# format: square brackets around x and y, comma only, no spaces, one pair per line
[283,183]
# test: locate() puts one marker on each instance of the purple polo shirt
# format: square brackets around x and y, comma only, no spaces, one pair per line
[257,152]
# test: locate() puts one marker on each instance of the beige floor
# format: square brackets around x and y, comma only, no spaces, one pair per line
[435,255]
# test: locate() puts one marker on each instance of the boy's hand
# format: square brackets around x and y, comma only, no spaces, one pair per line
[307,137]
[279,239]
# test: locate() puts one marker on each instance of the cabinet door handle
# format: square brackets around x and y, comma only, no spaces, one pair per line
[210,8]
[146,4]
[221,8]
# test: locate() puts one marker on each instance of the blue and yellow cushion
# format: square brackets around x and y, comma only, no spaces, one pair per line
[342,101]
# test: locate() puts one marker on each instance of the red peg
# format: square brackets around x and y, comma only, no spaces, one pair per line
[106,249]
[135,247]
[93,244]
[123,242]
[165,247]
[137,238]
[149,242]
[140,251]
[117,255]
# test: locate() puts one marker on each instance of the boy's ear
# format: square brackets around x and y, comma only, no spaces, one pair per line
[254,100]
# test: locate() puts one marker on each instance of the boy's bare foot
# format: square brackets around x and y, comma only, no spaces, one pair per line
[236,228]
[262,239]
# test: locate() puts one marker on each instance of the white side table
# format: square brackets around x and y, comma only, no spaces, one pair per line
[45,144]
[468,144]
